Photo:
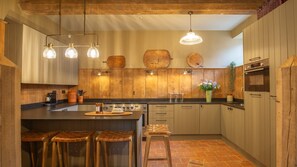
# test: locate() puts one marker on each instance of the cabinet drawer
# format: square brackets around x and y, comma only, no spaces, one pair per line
[169,122]
[160,114]
[161,107]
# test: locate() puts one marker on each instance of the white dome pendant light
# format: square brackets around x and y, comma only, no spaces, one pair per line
[71,52]
[191,38]
[93,51]
[49,52]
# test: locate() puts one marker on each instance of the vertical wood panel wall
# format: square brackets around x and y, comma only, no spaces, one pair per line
[136,83]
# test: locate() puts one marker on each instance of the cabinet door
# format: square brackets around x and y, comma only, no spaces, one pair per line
[226,122]
[210,119]
[257,126]
[186,119]
[238,127]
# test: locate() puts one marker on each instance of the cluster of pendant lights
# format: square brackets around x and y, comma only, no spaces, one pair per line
[191,38]
[50,53]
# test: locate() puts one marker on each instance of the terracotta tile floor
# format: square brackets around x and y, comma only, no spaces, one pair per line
[214,153]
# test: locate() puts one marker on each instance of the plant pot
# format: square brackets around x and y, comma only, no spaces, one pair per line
[208,95]
[72,97]
[80,99]
[230,98]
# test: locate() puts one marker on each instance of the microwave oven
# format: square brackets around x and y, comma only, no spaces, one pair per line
[256,76]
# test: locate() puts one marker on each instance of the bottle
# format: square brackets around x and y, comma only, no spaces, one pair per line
[97,107]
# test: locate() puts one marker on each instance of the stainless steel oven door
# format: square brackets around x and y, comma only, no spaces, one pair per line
[257,79]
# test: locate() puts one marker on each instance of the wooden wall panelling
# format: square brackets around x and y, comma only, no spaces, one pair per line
[238,84]
[197,77]
[128,83]
[162,83]
[173,80]
[185,84]
[151,85]
[95,80]
[10,117]
[227,81]
[219,78]
[283,33]
[139,83]
[289,7]
[209,74]
[116,89]
[104,85]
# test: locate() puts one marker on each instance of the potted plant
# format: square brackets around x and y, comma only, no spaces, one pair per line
[231,81]
[80,96]
[208,86]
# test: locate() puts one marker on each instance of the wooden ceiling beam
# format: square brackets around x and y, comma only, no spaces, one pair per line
[123,7]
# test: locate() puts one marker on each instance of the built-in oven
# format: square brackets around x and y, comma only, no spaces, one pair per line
[256,76]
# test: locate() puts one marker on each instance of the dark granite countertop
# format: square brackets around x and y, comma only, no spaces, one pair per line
[45,113]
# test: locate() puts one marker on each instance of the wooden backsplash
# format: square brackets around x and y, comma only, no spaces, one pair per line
[136,83]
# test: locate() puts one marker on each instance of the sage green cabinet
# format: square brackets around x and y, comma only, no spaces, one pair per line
[232,125]
[186,119]
[210,119]
[161,114]
[257,126]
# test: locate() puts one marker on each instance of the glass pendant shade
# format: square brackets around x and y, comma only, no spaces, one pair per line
[49,52]
[190,39]
[71,52]
[93,52]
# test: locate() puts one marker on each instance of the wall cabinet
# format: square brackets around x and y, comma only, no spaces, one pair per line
[162,114]
[186,119]
[28,56]
[210,119]
[257,126]
[232,125]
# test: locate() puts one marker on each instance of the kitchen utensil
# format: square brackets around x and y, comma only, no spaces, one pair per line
[115,62]
[154,59]
[195,60]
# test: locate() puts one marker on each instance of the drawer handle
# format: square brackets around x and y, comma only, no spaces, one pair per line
[161,106]
[161,113]
[253,94]
[161,120]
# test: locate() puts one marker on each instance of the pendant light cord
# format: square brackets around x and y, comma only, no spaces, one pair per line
[60,16]
[190,13]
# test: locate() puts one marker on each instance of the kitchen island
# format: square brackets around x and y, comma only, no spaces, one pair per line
[43,119]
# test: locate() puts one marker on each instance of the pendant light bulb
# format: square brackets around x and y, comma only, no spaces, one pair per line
[49,52]
[71,52]
[191,38]
[93,52]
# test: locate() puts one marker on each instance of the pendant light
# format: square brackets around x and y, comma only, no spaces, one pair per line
[49,52]
[191,38]
[93,52]
[71,52]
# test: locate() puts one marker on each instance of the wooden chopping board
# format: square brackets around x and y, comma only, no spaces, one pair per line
[116,62]
[195,60]
[154,59]
[93,113]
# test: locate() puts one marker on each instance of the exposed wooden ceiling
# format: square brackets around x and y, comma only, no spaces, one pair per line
[123,7]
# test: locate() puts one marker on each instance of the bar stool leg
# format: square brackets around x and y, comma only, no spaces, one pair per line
[167,145]
[97,158]
[105,154]
[88,147]
[130,153]
[147,150]
[60,157]
[65,154]
[54,155]
[44,153]
[32,154]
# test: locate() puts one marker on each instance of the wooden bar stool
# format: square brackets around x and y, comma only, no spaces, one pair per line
[65,138]
[32,138]
[157,130]
[112,137]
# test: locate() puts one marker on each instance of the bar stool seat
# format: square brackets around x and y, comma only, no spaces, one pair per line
[157,130]
[112,136]
[33,137]
[66,138]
